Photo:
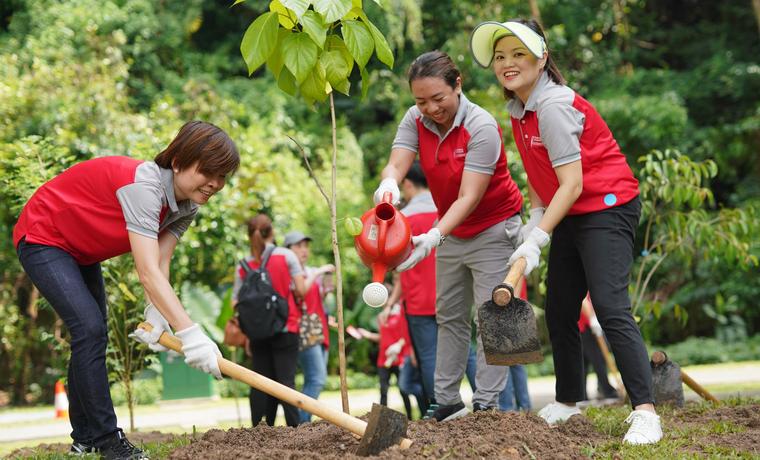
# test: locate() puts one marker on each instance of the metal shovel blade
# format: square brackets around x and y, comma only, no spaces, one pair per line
[509,333]
[385,428]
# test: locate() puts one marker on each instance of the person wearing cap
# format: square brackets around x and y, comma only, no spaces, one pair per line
[313,360]
[461,153]
[275,357]
[583,192]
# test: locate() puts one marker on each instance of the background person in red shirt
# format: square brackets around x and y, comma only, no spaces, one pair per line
[313,360]
[415,288]
[582,189]
[102,208]
[277,356]
[462,156]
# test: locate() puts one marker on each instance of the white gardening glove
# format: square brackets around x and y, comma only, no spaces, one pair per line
[391,353]
[388,185]
[535,217]
[160,325]
[531,249]
[596,328]
[423,244]
[199,350]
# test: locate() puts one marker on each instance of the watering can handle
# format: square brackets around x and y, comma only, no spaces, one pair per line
[388,197]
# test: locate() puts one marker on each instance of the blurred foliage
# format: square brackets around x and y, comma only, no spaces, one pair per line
[677,81]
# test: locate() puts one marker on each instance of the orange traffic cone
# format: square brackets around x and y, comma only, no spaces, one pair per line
[61,401]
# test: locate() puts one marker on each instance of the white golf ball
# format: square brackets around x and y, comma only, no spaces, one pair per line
[375,294]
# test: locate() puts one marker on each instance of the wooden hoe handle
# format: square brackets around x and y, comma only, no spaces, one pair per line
[503,293]
[659,358]
[279,391]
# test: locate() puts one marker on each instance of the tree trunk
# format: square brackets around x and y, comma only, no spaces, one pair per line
[338,273]
[756,6]
[535,12]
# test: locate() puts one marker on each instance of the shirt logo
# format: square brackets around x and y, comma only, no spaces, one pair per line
[459,153]
[535,141]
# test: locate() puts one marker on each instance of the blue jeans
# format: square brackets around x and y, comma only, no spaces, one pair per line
[77,293]
[410,383]
[313,362]
[515,395]
[423,331]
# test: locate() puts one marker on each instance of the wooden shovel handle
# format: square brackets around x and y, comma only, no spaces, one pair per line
[278,390]
[502,294]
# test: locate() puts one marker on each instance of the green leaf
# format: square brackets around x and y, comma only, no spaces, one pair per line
[314,26]
[358,40]
[344,86]
[259,41]
[275,61]
[300,55]
[332,10]
[353,13]
[287,82]
[237,1]
[335,43]
[353,226]
[382,49]
[313,87]
[365,82]
[298,6]
[335,66]
[287,17]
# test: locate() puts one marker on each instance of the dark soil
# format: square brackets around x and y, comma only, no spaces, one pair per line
[478,435]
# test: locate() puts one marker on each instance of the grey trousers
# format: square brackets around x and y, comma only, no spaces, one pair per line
[467,270]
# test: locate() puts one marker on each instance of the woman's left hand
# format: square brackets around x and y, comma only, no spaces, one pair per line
[423,244]
[160,325]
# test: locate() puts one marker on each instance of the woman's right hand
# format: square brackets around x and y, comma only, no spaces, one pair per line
[387,185]
[200,351]
[160,325]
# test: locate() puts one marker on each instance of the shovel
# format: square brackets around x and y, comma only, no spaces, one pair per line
[507,324]
[385,428]
[667,379]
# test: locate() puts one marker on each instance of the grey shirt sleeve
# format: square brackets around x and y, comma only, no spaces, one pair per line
[238,283]
[484,146]
[141,203]
[294,266]
[406,134]
[561,126]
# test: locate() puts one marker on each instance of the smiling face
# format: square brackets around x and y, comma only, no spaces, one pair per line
[437,100]
[190,184]
[515,67]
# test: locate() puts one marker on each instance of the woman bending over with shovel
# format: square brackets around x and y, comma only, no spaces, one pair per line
[581,189]
[102,208]
[461,153]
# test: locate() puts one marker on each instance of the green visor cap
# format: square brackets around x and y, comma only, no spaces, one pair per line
[486,34]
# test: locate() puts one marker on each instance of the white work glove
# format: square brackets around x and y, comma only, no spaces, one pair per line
[423,244]
[199,350]
[391,353]
[388,185]
[531,249]
[535,217]
[160,325]
[596,328]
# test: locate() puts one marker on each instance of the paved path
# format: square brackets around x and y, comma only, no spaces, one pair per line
[38,424]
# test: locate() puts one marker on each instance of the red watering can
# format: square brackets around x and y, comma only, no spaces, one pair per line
[385,242]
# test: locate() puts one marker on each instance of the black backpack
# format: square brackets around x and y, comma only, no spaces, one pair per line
[262,311]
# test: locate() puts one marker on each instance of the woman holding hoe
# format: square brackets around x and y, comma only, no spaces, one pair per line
[102,208]
[461,153]
[581,189]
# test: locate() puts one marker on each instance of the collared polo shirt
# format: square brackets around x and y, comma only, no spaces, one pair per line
[557,126]
[88,209]
[473,143]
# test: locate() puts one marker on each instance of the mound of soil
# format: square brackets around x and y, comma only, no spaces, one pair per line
[478,435]
[136,438]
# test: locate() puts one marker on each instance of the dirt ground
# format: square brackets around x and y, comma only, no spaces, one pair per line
[478,435]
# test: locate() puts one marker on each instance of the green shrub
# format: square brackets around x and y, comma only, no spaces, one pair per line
[701,350]
[147,391]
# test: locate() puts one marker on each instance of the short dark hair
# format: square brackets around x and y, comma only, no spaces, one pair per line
[204,143]
[416,176]
[551,67]
[434,64]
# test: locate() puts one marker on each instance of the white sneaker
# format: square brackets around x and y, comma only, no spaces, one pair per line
[557,412]
[645,428]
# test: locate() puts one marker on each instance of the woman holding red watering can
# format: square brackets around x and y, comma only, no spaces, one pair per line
[461,153]
[578,173]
